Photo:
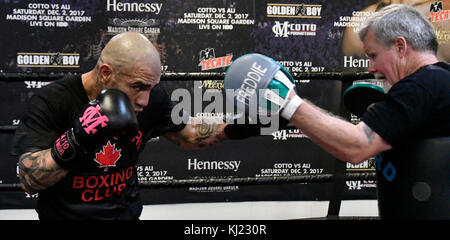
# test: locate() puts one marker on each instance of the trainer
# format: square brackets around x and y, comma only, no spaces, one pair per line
[401,46]
[80,136]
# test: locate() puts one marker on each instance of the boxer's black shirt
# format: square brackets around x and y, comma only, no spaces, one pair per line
[416,107]
[105,187]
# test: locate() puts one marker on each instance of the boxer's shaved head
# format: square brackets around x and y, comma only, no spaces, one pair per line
[126,50]
[128,62]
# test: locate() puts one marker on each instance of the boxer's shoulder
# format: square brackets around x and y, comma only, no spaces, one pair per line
[60,99]
[63,91]
[69,83]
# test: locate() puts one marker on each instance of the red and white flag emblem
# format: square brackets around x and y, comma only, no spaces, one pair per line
[109,156]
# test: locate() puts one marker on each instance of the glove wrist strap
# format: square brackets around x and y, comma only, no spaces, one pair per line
[65,148]
[291,107]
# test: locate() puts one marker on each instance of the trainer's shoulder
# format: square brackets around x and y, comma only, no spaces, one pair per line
[430,76]
[437,72]
[433,79]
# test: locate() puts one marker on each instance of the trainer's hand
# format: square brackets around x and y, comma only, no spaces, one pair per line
[260,82]
[109,115]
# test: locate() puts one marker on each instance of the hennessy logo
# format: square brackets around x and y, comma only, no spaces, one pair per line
[92,118]
[109,156]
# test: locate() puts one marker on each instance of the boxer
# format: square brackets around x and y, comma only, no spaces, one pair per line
[79,140]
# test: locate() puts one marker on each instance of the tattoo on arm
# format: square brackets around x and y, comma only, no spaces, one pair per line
[200,132]
[38,171]
[370,134]
[205,131]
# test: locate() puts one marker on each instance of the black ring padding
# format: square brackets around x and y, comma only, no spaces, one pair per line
[182,183]
[176,76]
[319,178]
[33,76]
[10,187]
[6,128]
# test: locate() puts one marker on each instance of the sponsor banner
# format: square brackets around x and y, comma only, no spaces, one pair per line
[366,166]
[216,18]
[68,37]
[208,60]
[286,28]
[296,10]
[437,12]
[48,15]
[301,66]
[228,161]
[48,60]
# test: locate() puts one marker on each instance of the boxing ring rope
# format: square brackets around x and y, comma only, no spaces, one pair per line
[183,183]
[177,76]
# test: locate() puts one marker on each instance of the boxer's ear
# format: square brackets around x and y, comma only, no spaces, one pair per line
[106,74]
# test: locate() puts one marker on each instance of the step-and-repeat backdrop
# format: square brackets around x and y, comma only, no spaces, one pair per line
[309,36]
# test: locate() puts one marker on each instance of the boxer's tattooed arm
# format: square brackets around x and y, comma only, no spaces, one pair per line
[204,130]
[199,133]
[207,133]
[38,171]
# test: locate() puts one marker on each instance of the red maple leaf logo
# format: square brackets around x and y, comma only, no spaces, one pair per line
[109,156]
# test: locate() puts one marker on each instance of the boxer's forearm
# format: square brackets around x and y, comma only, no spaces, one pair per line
[340,138]
[206,133]
[199,133]
[38,171]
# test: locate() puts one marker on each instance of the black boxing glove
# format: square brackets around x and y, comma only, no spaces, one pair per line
[246,127]
[109,115]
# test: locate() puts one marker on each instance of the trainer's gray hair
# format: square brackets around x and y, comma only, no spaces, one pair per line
[399,20]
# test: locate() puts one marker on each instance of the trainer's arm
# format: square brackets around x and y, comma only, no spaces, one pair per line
[344,140]
[38,171]
[198,133]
